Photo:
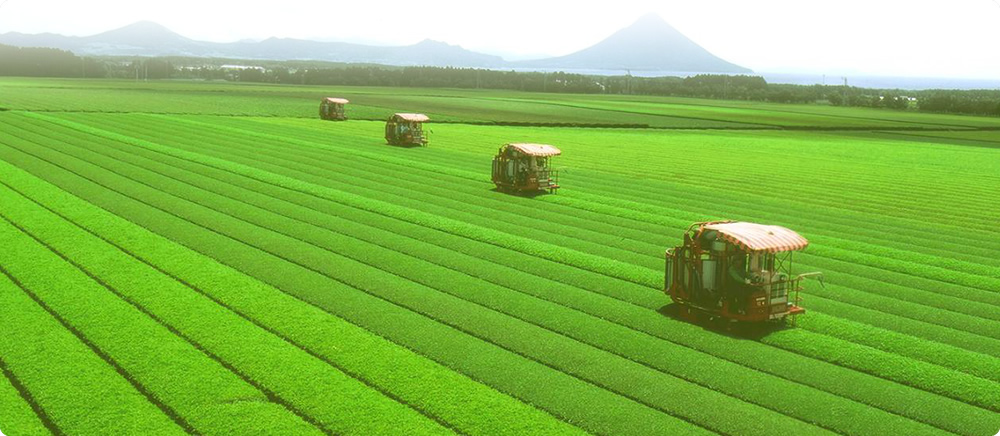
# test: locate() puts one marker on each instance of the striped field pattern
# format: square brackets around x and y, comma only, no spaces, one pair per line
[210,274]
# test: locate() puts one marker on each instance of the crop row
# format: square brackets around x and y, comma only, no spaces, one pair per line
[595,408]
[917,328]
[201,396]
[785,116]
[859,276]
[925,260]
[482,212]
[594,365]
[639,159]
[64,375]
[491,105]
[828,187]
[399,371]
[463,162]
[21,415]
[185,382]
[247,127]
[907,234]
[858,360]
[987,312]
[643,294]
[584,331]
[985,295]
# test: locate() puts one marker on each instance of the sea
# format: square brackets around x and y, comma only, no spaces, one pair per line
[861,81]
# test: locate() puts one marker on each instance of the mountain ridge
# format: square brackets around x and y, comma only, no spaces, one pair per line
[649,44]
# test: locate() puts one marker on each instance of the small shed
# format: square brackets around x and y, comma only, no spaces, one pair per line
[525,167]
[332,109]
[406,129]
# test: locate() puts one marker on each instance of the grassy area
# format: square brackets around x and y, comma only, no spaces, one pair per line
[456,105]
[213,258]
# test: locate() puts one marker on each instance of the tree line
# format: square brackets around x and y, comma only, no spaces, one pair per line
[46,62]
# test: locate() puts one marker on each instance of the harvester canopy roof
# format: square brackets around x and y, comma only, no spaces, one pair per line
[337,100]
[540,150]
[759,237]
[416,118]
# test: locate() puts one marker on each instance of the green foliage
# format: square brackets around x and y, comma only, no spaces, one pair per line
[211,398]
[47,62]
[65,377]
[389,290]
[18,417]
[489,107]
[396,370]
[980,102]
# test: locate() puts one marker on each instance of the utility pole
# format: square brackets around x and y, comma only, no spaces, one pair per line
[845,91]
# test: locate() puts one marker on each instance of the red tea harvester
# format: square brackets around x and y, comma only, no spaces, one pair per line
[332,109]
[520,167]
[406,129]
[736,271]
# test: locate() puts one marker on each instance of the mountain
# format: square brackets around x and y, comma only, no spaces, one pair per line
[145,34]
[150,39]
[649,44]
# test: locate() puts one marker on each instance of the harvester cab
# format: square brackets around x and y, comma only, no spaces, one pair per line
[406,129]
[332,109]
[736,271]
[521,167]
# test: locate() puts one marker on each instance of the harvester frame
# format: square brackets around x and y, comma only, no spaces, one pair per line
[524,167]
[735,271]
[332,109]
[406,129]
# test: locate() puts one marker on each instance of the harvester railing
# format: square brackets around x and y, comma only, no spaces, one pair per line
[550,178]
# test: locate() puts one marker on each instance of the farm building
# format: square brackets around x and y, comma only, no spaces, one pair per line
[523,167]
[332,109]
[406,129]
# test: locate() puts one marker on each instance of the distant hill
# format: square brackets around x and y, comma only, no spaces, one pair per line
[150,39]
[649,44]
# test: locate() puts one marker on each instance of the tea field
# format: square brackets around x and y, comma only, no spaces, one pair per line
[203,258]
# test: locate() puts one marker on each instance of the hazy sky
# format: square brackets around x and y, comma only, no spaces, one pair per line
[933,38]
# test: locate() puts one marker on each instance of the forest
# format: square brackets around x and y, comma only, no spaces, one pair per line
[46,62]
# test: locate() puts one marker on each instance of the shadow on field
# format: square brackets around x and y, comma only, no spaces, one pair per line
[739,330]
[524,194]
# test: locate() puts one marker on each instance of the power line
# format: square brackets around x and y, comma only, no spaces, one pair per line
[5,2]
[997,3]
